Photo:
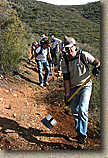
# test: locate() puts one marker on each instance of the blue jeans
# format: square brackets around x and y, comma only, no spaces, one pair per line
[79,108]
[55,53]
[41,64]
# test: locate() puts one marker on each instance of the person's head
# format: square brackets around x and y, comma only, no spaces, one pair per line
[46,44]
[70,46]
[65,37]
[52,37]
[43,36]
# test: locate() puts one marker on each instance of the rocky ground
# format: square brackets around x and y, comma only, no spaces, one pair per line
[23,104]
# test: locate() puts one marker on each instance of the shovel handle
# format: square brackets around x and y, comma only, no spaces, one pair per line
[74,94]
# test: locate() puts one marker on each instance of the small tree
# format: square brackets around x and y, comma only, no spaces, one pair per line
[11,40]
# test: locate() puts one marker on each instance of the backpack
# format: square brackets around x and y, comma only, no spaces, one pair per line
[79,55]
[82,59]
[39,52]
[36,44]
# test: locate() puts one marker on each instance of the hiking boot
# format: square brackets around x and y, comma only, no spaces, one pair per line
[81,144]
[59,73]
[46,84]
[41,84]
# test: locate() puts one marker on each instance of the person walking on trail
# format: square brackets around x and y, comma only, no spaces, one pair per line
[75,72]
[62,51]
[34,46]
[43,38]
[41,55]
[55,46]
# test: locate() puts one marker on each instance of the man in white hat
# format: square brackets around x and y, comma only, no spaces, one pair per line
[74,74]
[43,38]
[55,47]
[41,55]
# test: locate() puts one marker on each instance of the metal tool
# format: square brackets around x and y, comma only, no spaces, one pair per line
[52,70]
[49,121]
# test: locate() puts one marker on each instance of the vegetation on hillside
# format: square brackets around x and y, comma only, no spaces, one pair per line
[58,20]
[89,11]
[11,37]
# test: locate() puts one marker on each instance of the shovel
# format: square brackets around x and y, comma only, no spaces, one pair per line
[49,121]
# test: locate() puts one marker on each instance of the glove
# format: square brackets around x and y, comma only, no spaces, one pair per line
[95,71]
[66,100]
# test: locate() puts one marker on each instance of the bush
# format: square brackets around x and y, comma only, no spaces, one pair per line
[11,45]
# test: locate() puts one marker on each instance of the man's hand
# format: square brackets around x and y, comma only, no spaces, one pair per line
[96,71]
[66,100]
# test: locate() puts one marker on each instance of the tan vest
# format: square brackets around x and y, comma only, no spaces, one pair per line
[78,74]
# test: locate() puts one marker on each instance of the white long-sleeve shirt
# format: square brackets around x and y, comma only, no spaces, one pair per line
[43,55]
[56,42]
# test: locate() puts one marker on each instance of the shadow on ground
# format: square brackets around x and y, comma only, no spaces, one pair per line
[26,78]
[29,134]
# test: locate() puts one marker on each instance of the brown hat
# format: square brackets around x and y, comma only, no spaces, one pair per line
[69,42]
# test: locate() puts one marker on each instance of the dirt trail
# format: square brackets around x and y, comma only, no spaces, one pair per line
[23,104]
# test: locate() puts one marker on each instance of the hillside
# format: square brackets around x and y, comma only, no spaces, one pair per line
[23,102]
[59,20]
[89,11]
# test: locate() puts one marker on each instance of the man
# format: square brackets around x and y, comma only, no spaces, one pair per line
[55,47]
[41,55]
[43,38]
[62,51]
[34,46]
[74,74]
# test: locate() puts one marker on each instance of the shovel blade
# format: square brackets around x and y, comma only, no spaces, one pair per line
[49,122]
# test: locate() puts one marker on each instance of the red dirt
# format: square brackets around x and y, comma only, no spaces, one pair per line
[23,104]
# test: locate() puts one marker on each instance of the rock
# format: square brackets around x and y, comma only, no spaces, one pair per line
[1,99]
[15,95]
[6,91]
[27,103]
[10,89]
[14,115]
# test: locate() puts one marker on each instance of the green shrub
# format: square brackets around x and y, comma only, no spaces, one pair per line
[11,42]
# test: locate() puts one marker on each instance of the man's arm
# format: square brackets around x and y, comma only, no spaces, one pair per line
[49,55]
[66,84]
[59,43]
[67,87]
[96,63]
[67,91]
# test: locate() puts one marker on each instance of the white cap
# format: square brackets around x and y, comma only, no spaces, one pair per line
[43,36]
[69,42]
[52,36]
